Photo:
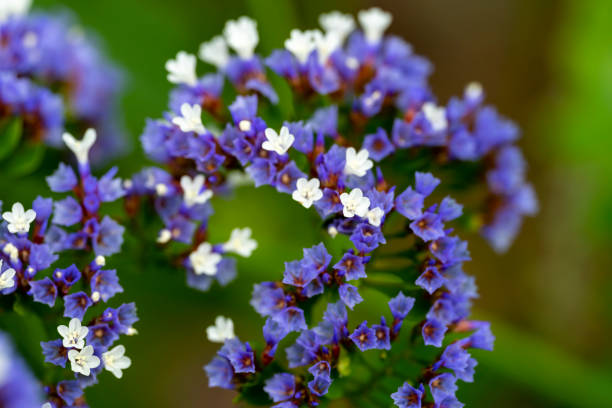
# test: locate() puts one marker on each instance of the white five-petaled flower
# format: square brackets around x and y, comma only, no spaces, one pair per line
[82,361]
[240,242]
[436,115]
[190,119]
[81,148]
[73,334]
[192,190]
[357,163]
[11,251]
[222,330]
[181,70]
[301,44]
[307,191]
[204,261]
[215,52]
[374,23]
[7,278]
[13,8]
[337,22]
[242,36]
[326,44]
[115,360]
[375,216]
[19,220]
[278,143]
[354,203]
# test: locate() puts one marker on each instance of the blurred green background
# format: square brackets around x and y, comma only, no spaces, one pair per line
[547,64]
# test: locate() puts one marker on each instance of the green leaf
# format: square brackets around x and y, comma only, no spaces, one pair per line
[10,135]
[26,159]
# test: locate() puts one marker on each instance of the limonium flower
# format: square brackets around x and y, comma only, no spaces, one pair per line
[52,77]
[33,263]
[370,150]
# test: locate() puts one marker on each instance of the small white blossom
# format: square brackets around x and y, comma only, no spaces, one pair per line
[100,260]
[191,119]
[81,148]
[326,44]
[11,251]
[354,203]
[473,90]
[83,361]
[10,8]
[240,242]
[131,331]
[181,70]
[95,296]
[242,36]
[307,191]
[332,231]
[244,125]
[436,115]
[375,216]
[238,179]
[357,163]
[301,44]
[7,278]
[341,24]
[74,334]
[278,143]
[19,220]
[374,23]
[161,189]
[192,190]
[47,405]
[164,236]
[215,52]
[115,360]
[221,331]
[204,260]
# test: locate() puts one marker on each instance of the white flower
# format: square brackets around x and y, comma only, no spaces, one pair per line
[81,148]
[240,242]
[326,44]
[436,115]
[221,331]
[100,260]
[83,361]
[341,24]
[192,190]
[47,405]
[473,90]
[242,36]
[7,278]
[191,119]
[115,360]
[375,216]
[164,236]
[238,178]
[11,251]
[332,231]
[307,191]
[278,143]
[301,44]
[18,219]
[354,203]
[374,23]
[215,52]
[182,69]
[357,163]
[95,296]
[13,8]
[204,260]
[244,125]
[74,334]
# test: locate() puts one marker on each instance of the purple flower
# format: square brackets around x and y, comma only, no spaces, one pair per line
[220,373]
[349,295]
[69,391]
[280,387]
[43,291]
[425,183]
[239,354]
[367,237]
[407,396]
[62,180]
[320,368]
[54,352]
[443,386]
[401,305]
[67,212]
[410,204]
[106,283]
[430,280]
[428,227]
[67,277]
[382,335]
[299,273]
[101,335]
[449,209]
[351,266]
[292,318]
[378,145]
[76,304]
[433,333]
[364,337]
[316,257]
[110,237]
[320,385]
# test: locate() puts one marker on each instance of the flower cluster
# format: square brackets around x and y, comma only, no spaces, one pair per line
[50,71]
[32,240]
[362,110]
